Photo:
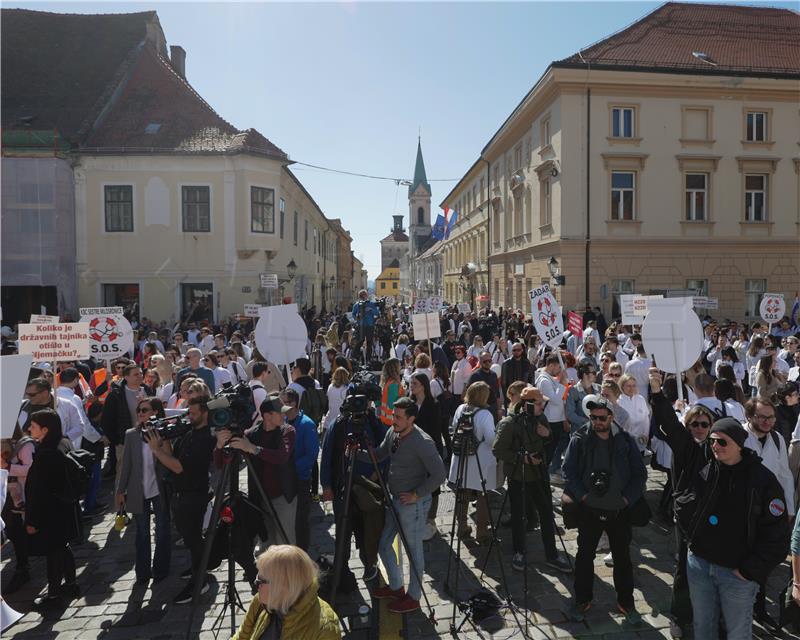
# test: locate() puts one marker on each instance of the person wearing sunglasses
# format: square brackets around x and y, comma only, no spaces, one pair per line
[732,511]
[604,474]
[286,604]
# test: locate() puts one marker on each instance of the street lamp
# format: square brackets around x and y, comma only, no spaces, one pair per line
[555,271]
[291,269]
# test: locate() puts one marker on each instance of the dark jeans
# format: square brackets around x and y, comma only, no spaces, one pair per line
[366,528]
[188,511]
[15,530]
[537,496]
[60,566]
[557,446]
[681,605]
[590,529]
[161,558]
[301,523]
[90,501]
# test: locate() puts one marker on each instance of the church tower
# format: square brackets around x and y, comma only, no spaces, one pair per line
[419,207]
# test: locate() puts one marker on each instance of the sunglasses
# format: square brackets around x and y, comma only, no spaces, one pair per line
[596,418]
[697,424]
[614,375]
[719,442]
[259,581]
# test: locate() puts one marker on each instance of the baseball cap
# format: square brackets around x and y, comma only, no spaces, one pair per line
[596,401]
[272,404]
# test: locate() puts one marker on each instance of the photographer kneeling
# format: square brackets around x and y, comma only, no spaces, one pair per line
[520,443]
[604,475]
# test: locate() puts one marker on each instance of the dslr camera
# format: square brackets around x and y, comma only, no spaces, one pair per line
[599,483]
[231,408]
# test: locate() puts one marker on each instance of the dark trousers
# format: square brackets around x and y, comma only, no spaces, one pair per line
[314,488]
[301,524]
[161,558]
[590,529]
[537,496]
[60,566]
[366,528]
[681,604]
[556,447]
[188,511]
[15,530]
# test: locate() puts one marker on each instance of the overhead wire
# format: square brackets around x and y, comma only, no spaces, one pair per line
[356,174]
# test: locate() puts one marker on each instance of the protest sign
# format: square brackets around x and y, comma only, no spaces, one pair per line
[101,311]
[421,305]
[14,371]
[546,315]
[55,341]
[463,307]
[426,326]
[575,324]
[40,319]
[111,335]
[634,307]
[251,310]
[281,334]
[772,308]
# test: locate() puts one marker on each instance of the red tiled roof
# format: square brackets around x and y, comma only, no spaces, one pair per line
[396,236]
[741,40]
[181,120]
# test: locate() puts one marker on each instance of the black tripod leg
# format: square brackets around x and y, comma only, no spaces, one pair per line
[342,539]
[266,498]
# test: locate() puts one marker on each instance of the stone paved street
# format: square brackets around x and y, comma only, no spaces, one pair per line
[111,606]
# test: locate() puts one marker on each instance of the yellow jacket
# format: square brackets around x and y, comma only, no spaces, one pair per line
[309,619]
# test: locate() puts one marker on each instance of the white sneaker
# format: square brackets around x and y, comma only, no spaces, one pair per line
[608,559]
[430,531]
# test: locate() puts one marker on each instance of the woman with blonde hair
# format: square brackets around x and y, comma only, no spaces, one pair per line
[166,377]
[286,605]
[391,378]
[637,409]
[476,400]
[337,391]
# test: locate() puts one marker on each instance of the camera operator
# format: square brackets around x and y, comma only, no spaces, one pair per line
[271,446]
[604,475]
[365,313]
[732,511]
[188,459]
[364,521]
[520,445]
[416,470]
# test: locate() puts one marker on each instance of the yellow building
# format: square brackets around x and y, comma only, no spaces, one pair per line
[388,282]
[650,161]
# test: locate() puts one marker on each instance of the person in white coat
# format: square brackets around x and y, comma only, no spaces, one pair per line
[476,399]
[460,372]
[638,411]
[552,382]
[70,409]
[337,392]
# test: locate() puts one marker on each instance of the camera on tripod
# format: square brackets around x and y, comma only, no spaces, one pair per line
[168,428]
[363,390]
[464,442]
[231,408]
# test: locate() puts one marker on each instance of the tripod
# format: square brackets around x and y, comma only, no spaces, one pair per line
[462,469]
[356,440]
[230,470]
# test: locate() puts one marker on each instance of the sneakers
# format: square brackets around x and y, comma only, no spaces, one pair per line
[560,564]
[18,580]
[577,612]
[518,562]
[387,593]
[430,531]
[406,604]
[47,602]
[632,616]
[675,630]
[186,594]
[608,560]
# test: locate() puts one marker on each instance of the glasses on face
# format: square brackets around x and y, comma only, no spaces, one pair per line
[614,375]
[595,418]
[699,424]
[259,581]
[719,442]
[761,418]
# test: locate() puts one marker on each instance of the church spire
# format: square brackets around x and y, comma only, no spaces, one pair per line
[419,172]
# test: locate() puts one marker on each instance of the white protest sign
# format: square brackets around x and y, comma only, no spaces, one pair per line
[252,310]
[40,319]
[434,303]
[673,335]
[546,315]
[269,280]
[281,334]
[634,307]
[56,341]
[426,326]
[390,300]
[772,308]
[101,311]
[421,305]
[111,335]
[463,307]
[14,372]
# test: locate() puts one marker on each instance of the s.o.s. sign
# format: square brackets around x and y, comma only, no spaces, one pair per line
[110,336]
[546,315]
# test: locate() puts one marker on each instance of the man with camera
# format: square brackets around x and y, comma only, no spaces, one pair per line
[520,444]
[365,313]
[604,475]
[188,459]
[271,445]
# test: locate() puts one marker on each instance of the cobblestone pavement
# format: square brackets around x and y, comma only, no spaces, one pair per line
[111,606]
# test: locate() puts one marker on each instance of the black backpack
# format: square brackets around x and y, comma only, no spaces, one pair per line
[314,404]
[79,471]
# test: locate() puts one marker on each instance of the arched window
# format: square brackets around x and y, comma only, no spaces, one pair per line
[420,216]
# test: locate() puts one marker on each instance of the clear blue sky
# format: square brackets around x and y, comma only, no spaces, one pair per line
[350,85]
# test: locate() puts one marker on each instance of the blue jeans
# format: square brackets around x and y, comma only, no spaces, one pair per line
[90,501]
[413,518]
[161,557]
[714,588]
[557,446]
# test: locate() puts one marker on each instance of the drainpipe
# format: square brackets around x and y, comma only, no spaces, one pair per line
[588,239]
[488,235]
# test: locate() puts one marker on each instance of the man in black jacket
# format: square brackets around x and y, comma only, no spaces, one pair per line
[517,367]
[732,511]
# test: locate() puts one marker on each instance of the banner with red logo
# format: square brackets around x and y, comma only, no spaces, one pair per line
[546,315]
[575,324]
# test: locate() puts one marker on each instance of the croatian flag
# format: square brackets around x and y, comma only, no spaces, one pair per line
[439,227]
[451,218]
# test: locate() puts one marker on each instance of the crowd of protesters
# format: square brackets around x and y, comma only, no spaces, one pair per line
[590,416]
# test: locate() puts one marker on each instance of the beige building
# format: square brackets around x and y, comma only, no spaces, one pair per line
[648,162]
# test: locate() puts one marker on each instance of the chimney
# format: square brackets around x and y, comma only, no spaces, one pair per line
[177,58]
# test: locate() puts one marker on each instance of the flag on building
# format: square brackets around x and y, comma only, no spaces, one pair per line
[452,217]
[439,227]
[794,320]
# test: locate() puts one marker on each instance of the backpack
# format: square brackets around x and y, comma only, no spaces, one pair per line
[79,471]
[314,404]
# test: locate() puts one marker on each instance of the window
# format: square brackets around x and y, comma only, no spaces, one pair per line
[196,208]
[283,215]
[623,185]
[122,295]
[497,175]
[622,122]
[420,216]
[383,284]
[753,290]
[296,227]
[755,198]
[545,206]
[518,157]
[197,301]
[483,187]
[696,196]
[699,286]
[756,126]
[305,235]
[545,132]
[119,207]
[262,210]
[518,230]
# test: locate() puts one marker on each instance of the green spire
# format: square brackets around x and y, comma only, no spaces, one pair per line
[419,172]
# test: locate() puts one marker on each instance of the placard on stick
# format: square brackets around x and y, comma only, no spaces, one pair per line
[281,334]
[55,342]
[426,326]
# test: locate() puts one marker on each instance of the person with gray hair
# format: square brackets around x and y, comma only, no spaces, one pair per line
[194,358]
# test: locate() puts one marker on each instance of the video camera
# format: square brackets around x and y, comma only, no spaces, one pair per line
[464,442]
[169,428]
[362,390]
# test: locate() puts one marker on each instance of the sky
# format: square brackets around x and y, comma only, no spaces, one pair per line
[350,86]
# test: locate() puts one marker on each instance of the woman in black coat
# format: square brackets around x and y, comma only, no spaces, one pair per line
[429,419]
[51,517]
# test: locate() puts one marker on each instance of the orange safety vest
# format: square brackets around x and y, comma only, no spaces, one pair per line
[385,412]
[100,383]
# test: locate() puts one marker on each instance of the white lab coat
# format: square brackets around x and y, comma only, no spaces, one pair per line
[639,418]
[776,459]
[484,433]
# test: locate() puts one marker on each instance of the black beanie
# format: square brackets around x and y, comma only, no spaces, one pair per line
[732,428]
